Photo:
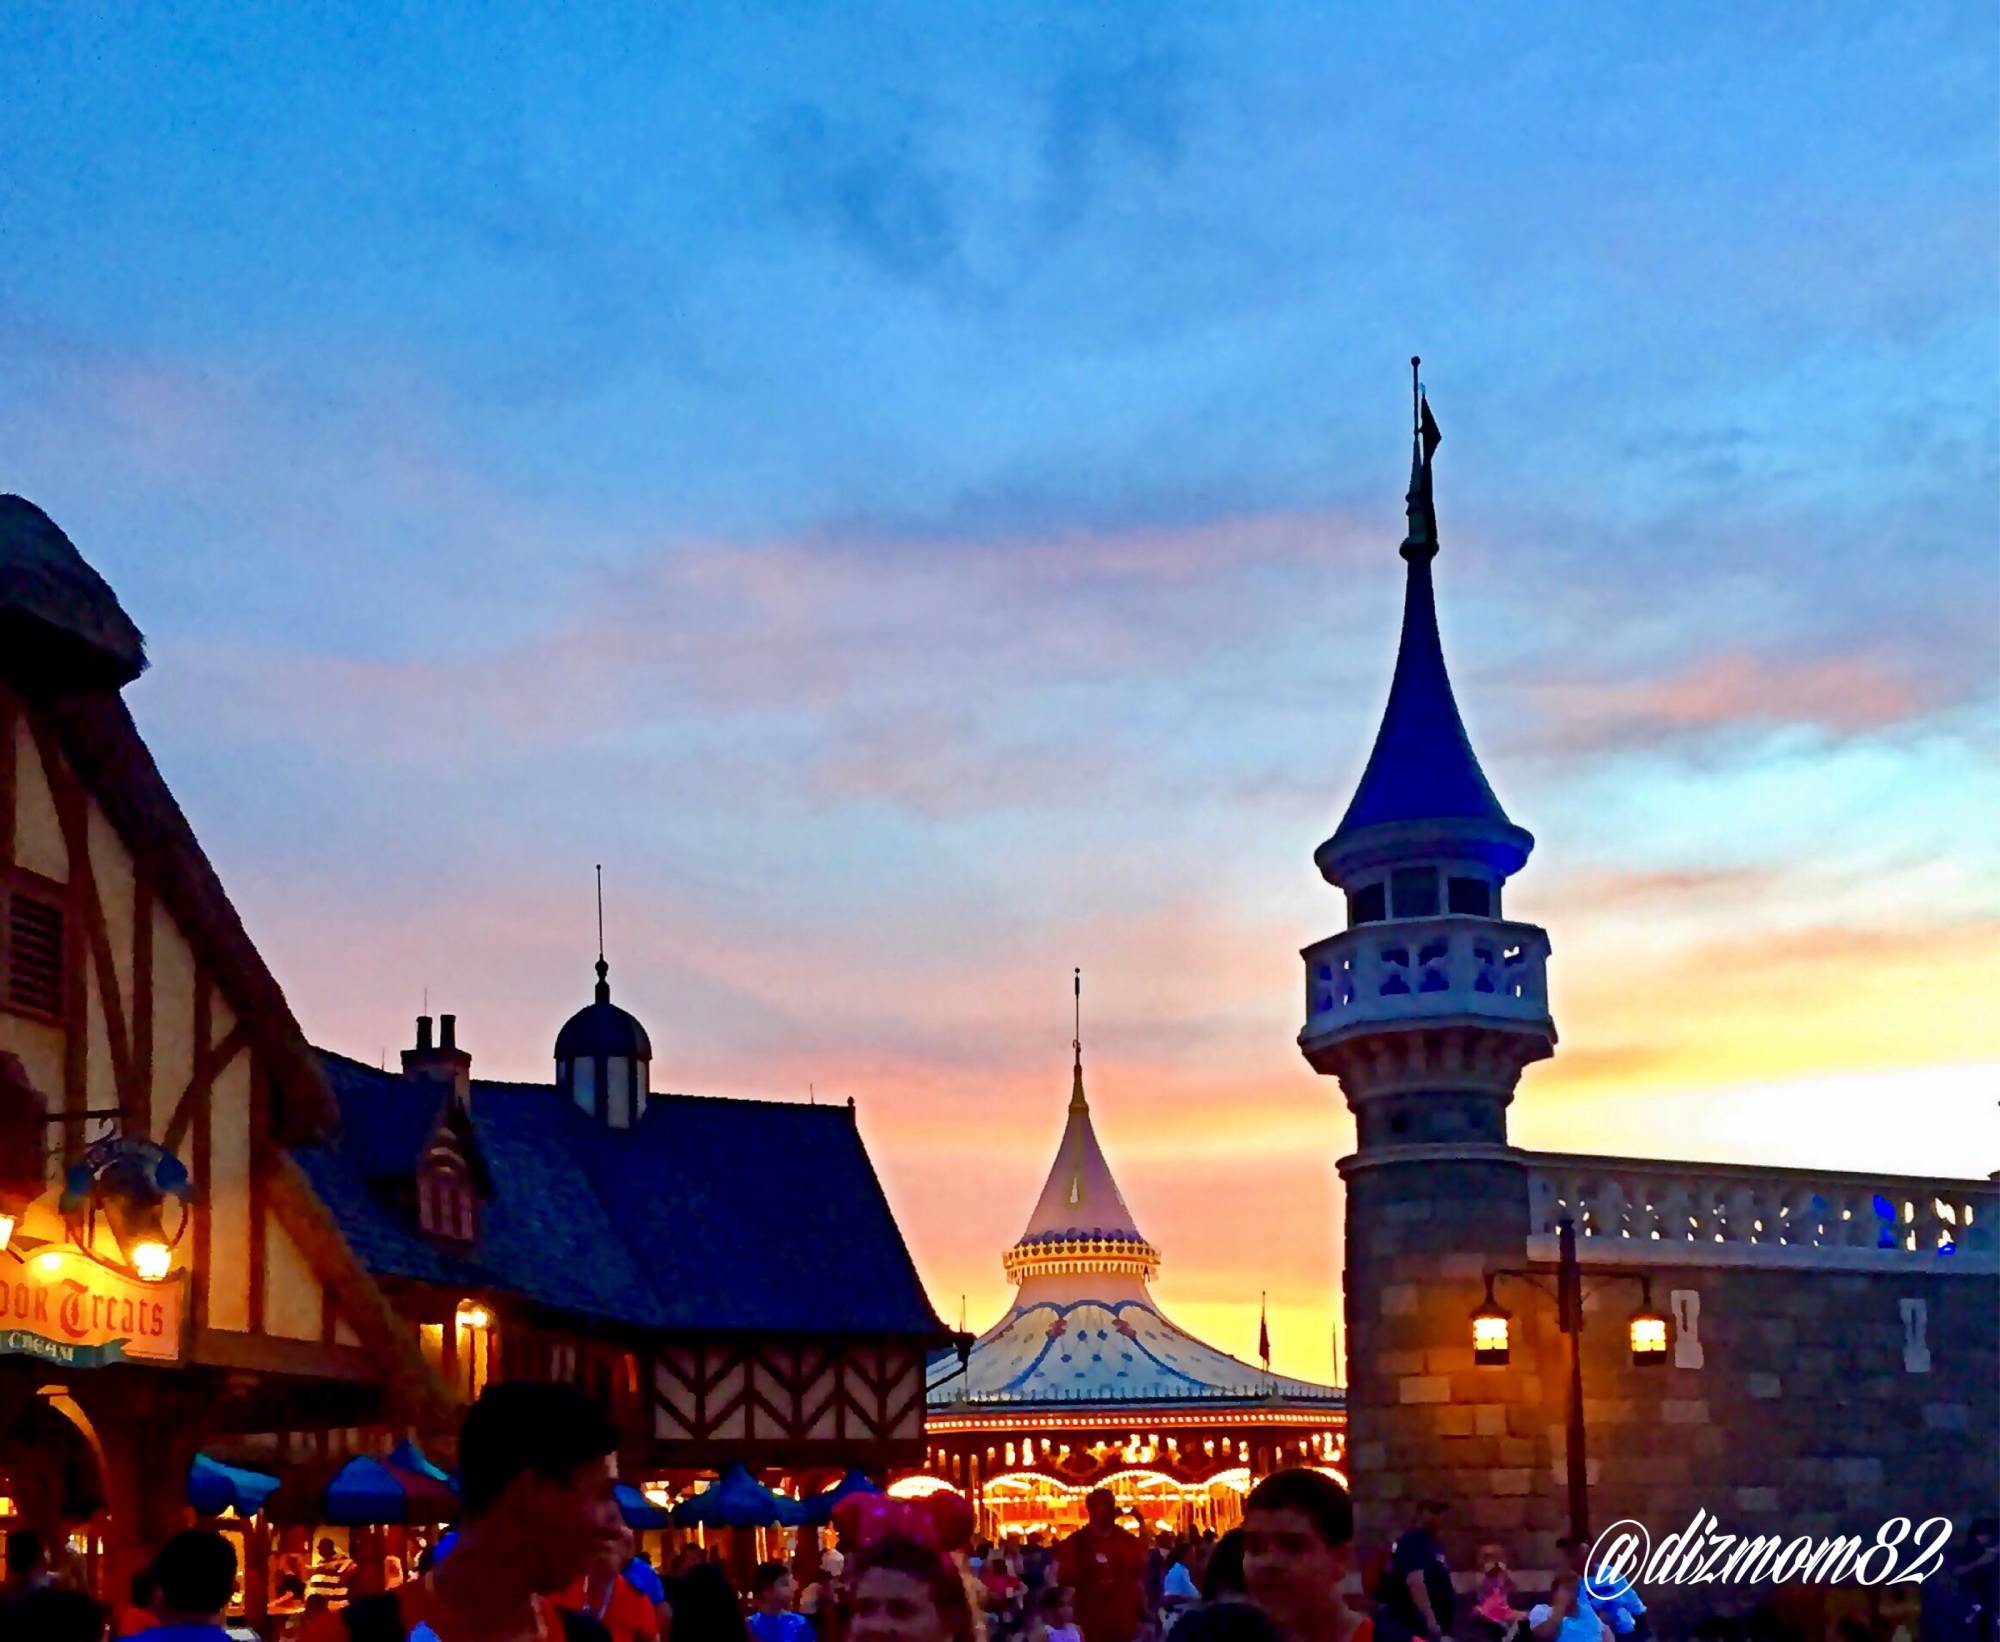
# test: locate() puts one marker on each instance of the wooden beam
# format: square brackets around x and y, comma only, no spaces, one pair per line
[259,1117]
[270,1354]
[10,715]
[209,1065]
[195,1105]
[139,1102]
[416,1395]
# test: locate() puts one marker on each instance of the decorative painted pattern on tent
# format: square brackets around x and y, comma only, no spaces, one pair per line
[1094,1351]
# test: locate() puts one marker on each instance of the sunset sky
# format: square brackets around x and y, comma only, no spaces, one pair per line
[914,492]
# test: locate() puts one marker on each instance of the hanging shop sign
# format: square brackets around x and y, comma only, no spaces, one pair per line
[65,1308]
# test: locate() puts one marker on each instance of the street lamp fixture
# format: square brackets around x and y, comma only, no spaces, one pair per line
[1490,1347]
[1648,1333]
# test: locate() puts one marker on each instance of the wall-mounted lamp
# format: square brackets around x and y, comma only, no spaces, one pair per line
[1648,1332]
[1490,1344]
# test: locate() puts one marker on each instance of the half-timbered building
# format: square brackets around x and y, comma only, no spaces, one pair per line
[214,1236]
[168,1277]
[724,1274]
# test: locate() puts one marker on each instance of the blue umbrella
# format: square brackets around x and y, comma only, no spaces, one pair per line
[817,1509]
[639,1512]
[366,1490]
[409,1457]
[735,1500]
[213,1488]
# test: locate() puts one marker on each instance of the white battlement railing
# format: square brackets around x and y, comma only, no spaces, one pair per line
[1634,1209]
[1415,967]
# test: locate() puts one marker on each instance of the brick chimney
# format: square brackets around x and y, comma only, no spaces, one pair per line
[443,1062]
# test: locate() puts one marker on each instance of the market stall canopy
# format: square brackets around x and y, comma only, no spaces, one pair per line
[213,1488]
[735,1500]
[817,1509]
[407,1456]
[367,1490]
[640,1514]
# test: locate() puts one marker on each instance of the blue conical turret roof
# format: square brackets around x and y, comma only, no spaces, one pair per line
[1423,791]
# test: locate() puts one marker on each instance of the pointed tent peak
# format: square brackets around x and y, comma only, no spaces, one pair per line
[1423,792]
[1080,1221]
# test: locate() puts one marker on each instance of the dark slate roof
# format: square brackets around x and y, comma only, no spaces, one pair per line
[54,604]
[1422,767]
[707,1215]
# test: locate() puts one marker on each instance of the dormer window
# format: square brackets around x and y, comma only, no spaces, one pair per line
[445,1198]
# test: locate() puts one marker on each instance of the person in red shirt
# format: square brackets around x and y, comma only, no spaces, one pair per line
[610,1598]
[1298,1544]
[141,1613]
[536,1465]
[1106,1567]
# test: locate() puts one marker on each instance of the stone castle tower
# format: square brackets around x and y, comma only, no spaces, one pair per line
[1426,1007]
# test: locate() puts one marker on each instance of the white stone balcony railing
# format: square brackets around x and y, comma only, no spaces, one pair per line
[1638,1211]
[1418,968]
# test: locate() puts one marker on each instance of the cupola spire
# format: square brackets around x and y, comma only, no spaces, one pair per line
[603,968]
[603,1055]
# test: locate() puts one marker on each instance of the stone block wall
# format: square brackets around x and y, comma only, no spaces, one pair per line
[1798,1405]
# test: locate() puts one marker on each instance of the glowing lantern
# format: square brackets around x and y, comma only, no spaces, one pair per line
[1490,1344]
[1649,1333]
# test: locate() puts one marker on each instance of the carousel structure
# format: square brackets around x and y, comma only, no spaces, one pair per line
[1085,1383]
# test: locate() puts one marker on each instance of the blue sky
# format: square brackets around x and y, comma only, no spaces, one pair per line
[914,490]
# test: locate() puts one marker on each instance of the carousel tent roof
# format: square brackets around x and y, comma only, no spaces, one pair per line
[1084,1329]
[667,1224]
[1104,1352]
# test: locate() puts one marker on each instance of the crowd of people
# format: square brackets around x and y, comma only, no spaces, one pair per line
[542,1554]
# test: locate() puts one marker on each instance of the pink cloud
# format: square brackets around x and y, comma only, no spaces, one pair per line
[1842,694]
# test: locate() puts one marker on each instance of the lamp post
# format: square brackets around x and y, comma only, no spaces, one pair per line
[1492,1345]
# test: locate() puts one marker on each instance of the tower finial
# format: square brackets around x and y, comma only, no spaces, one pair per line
[603,968]
[1076,1101]
[1422,540]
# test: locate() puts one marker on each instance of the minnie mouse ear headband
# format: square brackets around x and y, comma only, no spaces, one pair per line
[940,1522]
